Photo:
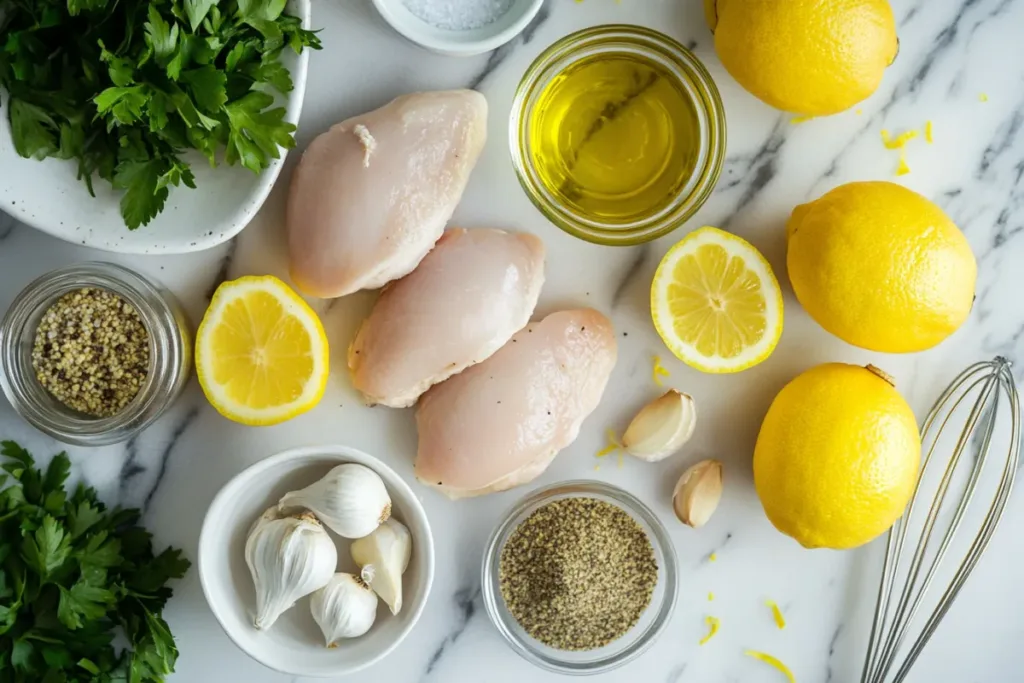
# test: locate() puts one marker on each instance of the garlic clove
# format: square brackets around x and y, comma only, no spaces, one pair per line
[344,608]
[661,427]
[384,557]
[697,493]
[351,500]
[289,558]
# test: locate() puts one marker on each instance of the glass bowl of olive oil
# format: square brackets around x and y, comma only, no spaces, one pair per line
[617,134]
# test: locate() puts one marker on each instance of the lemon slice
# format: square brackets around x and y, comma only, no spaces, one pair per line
[716,303]
[261,352]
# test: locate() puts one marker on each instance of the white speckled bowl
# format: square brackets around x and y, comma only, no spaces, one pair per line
[456,43]
[294,644]
[47,194]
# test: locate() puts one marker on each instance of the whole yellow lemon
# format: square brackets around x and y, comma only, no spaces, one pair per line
[837,457]
[881,267]
[811,57]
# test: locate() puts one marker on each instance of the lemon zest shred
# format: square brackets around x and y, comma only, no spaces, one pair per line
[900,141]
[797,120]
[613,444]
[659,371]
[712,557]
[928,132]
[772,661]
[711,597]
[902,168]
[713,624]
[780,620]
[860,112]
[982,97]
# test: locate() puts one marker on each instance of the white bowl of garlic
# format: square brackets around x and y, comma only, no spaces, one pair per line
[317,561]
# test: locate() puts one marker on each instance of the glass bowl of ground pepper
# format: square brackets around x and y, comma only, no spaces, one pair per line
[93,353]
[617,134]
[580,577]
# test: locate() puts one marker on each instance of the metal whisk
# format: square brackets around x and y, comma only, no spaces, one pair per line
[992,388]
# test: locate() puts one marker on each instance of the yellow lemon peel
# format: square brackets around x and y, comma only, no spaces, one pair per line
[659,371]
[982,97]
[613,444]
[713,624]
[780,620]
[898,142]
[903,168]
[711,597]
[712,557]
[772,661]
[928,132]
[797,120]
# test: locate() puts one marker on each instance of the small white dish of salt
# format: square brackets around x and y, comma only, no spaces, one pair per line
[459,28]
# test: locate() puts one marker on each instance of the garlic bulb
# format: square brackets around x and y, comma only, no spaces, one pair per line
[697,493]
[661,427]
[351,500]
[288,557]
[344,608]
[384,557]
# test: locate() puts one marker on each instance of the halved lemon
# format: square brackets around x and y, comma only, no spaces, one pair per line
[716,303]
[261,352]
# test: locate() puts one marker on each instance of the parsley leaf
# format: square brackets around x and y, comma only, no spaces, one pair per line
[196,11]
[161,37]
[21,655]
[256,132]
[262,15]
[81,516]
[101,551]
[33,130]
[47,549]
[142,199]
[207,87]
[83,602]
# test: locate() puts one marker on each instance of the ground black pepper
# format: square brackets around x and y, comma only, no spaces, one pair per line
[91,351]
[578,573]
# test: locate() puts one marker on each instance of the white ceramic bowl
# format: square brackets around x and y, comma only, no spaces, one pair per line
[48,196]
[294,644]
[459,43]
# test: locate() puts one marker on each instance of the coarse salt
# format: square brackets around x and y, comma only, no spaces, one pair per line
[459,15]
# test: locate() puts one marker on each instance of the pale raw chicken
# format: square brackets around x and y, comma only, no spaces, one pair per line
[499,424]
[372,195]
[462,303]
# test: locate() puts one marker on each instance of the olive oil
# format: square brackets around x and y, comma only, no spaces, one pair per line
[615,137]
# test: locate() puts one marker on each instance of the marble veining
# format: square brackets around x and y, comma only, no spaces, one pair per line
[951,53]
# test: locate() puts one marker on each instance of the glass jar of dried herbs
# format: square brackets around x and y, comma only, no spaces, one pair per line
[94,353]
[578,573]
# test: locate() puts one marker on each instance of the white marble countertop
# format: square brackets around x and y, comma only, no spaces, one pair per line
[951,52]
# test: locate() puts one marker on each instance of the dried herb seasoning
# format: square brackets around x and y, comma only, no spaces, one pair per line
[91,351]
[578,573]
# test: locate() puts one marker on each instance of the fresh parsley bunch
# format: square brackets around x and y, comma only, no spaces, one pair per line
[72,577]
[125,87]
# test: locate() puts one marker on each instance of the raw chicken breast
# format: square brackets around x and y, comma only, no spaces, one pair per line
[371,195]
[462,303]
[499,424]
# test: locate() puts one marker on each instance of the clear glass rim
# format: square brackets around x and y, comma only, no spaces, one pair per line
[169,354]
[659,539]
[693,76]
